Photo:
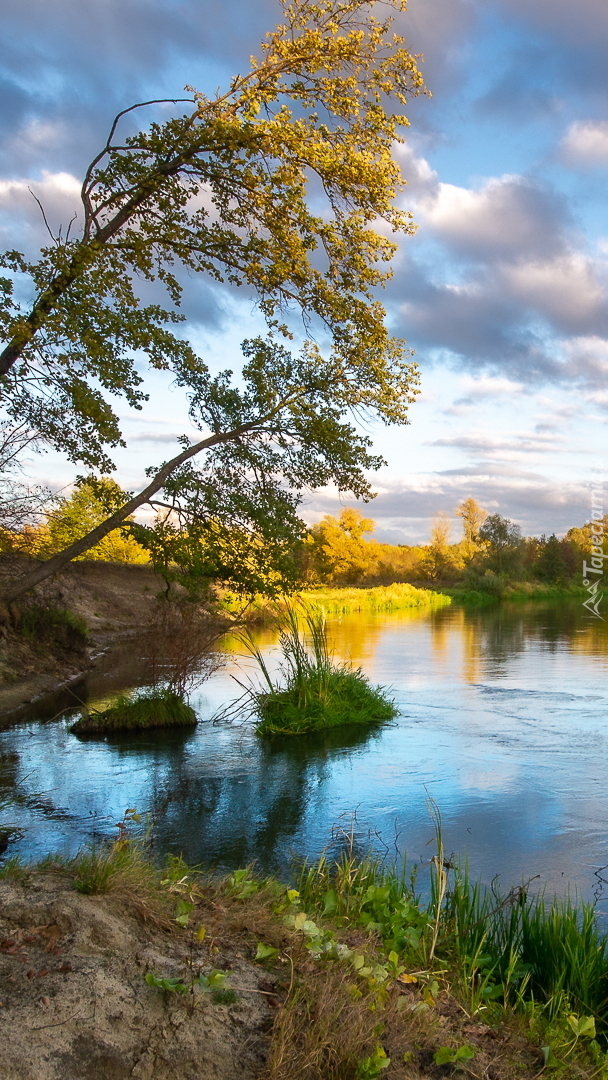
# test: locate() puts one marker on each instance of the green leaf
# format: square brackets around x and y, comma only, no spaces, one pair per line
[448,1055]
[174,986]
[213,981]
[582,1026]
[330,902]
[265,952]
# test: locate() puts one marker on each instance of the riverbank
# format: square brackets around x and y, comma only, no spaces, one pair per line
[111,602]
[92,610]
[112,968]
[512,592]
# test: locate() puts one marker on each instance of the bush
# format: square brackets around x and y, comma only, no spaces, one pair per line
[160,709]
[54,625]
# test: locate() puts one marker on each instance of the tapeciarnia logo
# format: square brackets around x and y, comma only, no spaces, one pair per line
[594,569]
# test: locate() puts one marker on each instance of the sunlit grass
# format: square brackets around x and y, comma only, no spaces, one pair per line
[155,709]
[381,598]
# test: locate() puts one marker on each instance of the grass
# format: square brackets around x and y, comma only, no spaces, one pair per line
[381,598]
[155,709]
[371,982]
[536,590]
[56,625]
[342,601]
[313,693]
[472,597]
[516,591]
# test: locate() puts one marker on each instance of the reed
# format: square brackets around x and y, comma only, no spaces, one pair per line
[513,951]
[381,598]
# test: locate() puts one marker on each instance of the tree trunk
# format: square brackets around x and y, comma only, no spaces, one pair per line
[51,566]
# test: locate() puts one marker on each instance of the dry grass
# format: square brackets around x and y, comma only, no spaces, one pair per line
[322,1032]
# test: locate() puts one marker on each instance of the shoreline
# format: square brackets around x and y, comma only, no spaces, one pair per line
[114,967]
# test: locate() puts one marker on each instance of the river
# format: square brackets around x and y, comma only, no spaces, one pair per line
[503,723]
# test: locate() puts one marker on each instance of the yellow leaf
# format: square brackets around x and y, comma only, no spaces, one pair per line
[201,933]
[405,978]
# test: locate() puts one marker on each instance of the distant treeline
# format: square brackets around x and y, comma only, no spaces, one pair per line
[491,554]
[342,551]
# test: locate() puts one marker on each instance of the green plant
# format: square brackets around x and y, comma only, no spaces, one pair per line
[224,996]
[172,986]
[13,869]
[315,693]
[154,709]
[52,624]
[371,1067]
[448,1055]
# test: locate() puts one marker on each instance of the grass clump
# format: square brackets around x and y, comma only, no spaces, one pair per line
[313,693]
[55,625]
[155,709]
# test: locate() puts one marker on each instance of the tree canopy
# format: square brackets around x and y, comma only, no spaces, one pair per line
[339,552]
[72,517]
[226,189]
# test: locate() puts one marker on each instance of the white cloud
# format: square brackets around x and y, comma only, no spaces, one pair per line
[586,143]
[565,289]
[59,194]
[406,506]
[586,360]
[487,386]
[496,444]
[506,217]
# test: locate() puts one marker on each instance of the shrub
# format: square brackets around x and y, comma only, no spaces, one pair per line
[55,625]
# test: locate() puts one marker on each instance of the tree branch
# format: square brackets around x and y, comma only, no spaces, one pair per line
[57,562]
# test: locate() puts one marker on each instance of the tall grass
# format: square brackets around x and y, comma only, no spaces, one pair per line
[517,950]
[381,598]
[313,692]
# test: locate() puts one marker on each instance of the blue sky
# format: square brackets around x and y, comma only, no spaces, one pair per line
[503,292]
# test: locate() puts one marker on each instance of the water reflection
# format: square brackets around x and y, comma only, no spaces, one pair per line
[252,813]
[504,721]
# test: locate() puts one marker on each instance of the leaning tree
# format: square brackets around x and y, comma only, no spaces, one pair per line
[283,185]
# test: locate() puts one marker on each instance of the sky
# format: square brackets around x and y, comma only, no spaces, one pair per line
[502,292]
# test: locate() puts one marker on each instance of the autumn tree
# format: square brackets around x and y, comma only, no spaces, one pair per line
[22,505]
[473,518]
[502,544]
[88,505]
[227,189]
[339,551]
[438,560]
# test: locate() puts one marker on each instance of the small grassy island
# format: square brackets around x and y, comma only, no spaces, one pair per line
[157,709]
[313,692]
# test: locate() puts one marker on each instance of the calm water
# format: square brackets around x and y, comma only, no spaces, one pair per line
[504,722]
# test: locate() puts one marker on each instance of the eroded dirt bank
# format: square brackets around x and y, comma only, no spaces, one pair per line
[75,1004]
[116,601]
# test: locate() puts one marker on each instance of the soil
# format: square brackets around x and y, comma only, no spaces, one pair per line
[115,601]
[75,1004]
